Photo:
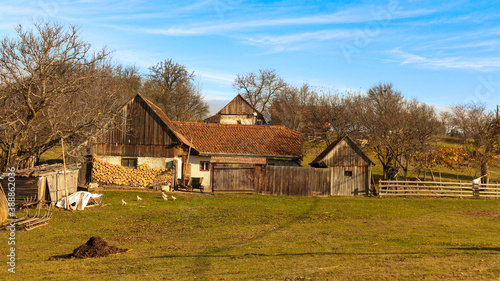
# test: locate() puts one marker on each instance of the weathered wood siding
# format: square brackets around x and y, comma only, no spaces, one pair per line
[345,156]
[240,178]
[137,131]
[50,187]
[283,180]
[303,181]
[356,183]
[237,106]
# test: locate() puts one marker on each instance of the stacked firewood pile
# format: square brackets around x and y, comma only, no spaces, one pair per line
[141,176]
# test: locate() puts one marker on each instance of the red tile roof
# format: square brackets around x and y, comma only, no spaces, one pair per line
[262,140]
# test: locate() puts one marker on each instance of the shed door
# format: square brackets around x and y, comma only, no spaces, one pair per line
[238,178]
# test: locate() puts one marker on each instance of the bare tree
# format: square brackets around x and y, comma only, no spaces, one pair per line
[480,130]
[259,88]
[395,128]
[53,87]
[172,87]
[289,107]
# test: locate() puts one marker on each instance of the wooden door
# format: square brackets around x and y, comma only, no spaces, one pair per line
[239,178]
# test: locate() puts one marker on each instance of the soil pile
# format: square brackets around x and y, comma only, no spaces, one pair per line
[95,247]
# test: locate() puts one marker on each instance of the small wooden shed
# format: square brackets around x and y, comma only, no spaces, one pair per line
[44,183]
[351,169]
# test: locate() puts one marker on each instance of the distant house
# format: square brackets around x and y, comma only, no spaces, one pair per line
[238,111]
[351,168]
[143,134]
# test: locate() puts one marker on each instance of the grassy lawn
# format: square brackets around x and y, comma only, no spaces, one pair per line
[260,237]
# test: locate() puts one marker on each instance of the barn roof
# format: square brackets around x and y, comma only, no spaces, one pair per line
[262,140]
[318,161]
[164,118]
[238,106]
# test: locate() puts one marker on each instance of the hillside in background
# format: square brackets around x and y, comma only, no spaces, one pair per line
[312,148]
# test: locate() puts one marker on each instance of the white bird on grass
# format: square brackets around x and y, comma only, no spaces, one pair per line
[123,202]
[139,198]
[164,196]
[173,197]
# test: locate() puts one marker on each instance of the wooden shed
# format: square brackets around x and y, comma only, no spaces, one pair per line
[44,183]
[351,169]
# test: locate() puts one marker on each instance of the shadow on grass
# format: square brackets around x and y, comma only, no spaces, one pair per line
[285,254]
[60,257]
[203,259]
[494,249]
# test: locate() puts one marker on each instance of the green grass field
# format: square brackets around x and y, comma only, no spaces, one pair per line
[261,237]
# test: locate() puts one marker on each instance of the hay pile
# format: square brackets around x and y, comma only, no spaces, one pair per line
[105,172]
[95,247]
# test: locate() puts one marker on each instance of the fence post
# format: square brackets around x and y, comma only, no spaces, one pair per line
[475,190]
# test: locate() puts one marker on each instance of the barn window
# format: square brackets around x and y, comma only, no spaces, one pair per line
[348,173]
[204,166]
[129,162]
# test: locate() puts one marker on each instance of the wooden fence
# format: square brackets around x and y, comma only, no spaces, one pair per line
[438,189]
[304,181]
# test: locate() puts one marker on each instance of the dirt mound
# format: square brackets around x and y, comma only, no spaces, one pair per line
[95,247]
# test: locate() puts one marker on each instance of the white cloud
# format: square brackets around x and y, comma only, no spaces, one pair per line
[458,62]
[322,35]
[359,15]
[218,77]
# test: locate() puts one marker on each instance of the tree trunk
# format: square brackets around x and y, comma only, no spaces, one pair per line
[485,173]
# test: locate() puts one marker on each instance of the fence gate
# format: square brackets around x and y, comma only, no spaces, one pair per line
[239,178]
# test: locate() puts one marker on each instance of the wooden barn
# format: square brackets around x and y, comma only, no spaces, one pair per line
[350,167]
[143,134]
[238,111]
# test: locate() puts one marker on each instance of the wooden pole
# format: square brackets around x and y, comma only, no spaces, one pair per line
[65,178]
[187,161]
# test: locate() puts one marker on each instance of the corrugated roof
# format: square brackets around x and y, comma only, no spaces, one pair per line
[262,140]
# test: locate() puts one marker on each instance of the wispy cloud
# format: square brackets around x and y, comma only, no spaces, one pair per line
[457,62]
[341,17]
[322,35]
[218,77]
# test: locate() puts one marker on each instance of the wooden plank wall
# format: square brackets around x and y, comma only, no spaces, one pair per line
[137,131]
[238,178]
[237,106]
[357,184]
[26,188]
[286,180]
[56,186]
[303,181]
[345,156]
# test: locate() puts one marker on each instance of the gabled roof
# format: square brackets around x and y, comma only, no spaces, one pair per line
[254,140]
[238,106]
[319,161]
[164,118]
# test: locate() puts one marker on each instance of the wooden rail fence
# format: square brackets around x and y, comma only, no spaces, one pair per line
[438,189]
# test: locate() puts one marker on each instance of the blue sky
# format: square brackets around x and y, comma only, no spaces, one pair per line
[440,52]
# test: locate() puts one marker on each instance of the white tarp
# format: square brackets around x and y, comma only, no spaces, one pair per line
[74,200]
